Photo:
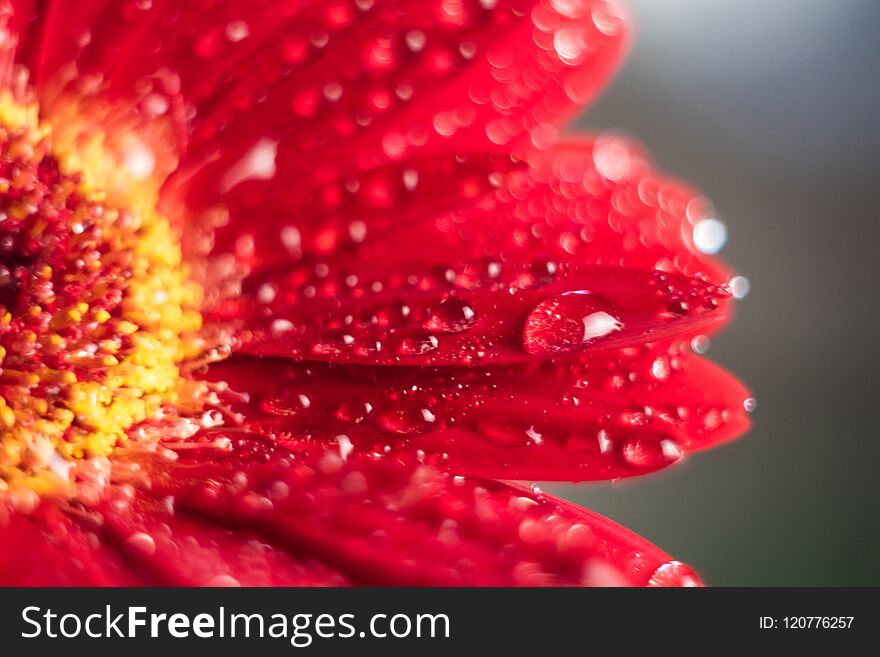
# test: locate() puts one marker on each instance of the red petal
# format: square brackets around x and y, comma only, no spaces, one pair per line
[668,386]
[411,237]
[183,549]
[594,201]
[48,548]
[417,317]
[260,516]
[356,218]
[600,200]
[382,521]
[325,80]
[133,541]
[350,90]
[10,25]
[620,414]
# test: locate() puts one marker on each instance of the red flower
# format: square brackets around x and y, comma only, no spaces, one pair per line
[288,287]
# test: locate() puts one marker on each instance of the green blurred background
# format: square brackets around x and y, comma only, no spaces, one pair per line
[771,107]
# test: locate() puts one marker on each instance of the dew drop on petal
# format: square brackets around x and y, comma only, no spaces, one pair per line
[345,446]
[739,287]
[700,344]
[407,418]
[415,40]
[645,453]
[156,104]
[674,573]
[660,368]
[452,315]
[611,159]
[710,235]
[257,164]
[570,44]
[354,411]
[279,326]
[237,31]
[607,18]
[568,322]
[605,444]
[291,238]
[418,343]
[410,179]
[224,581]
[140,544]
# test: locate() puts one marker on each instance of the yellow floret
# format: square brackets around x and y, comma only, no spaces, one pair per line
[134,373]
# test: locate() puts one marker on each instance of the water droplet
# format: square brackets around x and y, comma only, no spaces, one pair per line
[570,44]
[407,418]
[334,341]
[612,159]
[700,344]
[286,404]
[415,40]
[418,343]
[452,315]
[410,179]
[538,273]
[507,433]
[225,581]
[140,544]
[237,31]
[267,293]
[354,411]
[256,164]
[674,573]
[567,322]
[392,315]
[739,287]
[750,405]
[660,368]
[333,91]
[605,443]
[646,453]
[279,326]
[576,538]
[710,235]
[345,446]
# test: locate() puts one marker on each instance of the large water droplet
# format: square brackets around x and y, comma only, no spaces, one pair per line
[568,322]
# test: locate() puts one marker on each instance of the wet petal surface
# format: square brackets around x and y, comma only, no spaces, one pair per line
[618,414]
[259,515]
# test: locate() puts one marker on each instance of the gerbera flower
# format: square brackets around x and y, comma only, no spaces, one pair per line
[289,291]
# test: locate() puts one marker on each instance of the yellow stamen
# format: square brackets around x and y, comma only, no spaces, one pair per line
[77,374]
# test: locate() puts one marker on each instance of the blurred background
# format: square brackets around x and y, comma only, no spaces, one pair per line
[772,109]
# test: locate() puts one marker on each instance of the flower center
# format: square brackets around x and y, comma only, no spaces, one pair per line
[97,311]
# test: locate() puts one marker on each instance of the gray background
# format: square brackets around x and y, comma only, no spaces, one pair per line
[771,107]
